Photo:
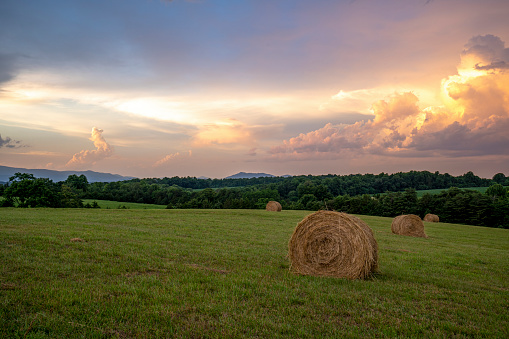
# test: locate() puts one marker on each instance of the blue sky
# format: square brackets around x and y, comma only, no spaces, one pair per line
[154,88]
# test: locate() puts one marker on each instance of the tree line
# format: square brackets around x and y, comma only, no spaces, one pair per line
[25,190]
[352,184]
[383,194]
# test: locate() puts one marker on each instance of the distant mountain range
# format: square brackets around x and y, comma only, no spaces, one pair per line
[56,176]
[244,175]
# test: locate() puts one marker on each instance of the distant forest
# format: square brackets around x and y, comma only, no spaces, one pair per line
[370,194]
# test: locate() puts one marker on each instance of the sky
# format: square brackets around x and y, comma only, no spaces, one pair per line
[153,88]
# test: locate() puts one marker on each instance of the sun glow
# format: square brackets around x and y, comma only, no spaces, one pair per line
[228,131]
[154,108]
[452,84]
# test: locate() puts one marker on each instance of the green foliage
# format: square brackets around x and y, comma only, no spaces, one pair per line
[70,197]
[453,205]
[381,195]
[94,204]
[501,179]
[25,190]
[77,182]
[246,193]
[496,191]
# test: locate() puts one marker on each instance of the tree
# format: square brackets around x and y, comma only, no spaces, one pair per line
[499,178]
[77,182]
[496,191]
[25,190]
[69,198]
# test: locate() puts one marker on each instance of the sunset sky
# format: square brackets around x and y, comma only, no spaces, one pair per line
[153,88]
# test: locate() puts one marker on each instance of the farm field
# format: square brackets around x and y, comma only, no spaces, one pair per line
[109,204]
[127,273]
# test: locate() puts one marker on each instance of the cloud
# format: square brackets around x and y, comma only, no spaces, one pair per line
[484,52]
[87,157]
[458,139]
[172,157]
[9,143]
[493,66]
[232,132]
[394,118]
[473,120]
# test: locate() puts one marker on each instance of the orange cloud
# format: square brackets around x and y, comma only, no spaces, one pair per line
[229,131]
[173,156]
[232,132]
[87,157]
[473,120]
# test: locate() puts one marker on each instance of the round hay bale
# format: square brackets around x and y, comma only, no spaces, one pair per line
[431,217]
[273,206]
[408,224]
[328,243]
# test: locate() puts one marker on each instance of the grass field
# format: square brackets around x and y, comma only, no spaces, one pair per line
[108,204]
[224,274]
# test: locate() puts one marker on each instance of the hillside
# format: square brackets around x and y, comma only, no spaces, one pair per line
[244,175]
[7,172]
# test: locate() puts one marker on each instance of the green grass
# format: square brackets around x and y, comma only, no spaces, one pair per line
[225,274]
[109,204]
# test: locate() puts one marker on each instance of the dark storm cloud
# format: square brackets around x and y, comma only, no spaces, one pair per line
[493,66]
[9,143]
[460,140]
[490,50]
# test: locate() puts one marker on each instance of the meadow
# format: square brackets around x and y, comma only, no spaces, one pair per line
[109,204]
[139,273]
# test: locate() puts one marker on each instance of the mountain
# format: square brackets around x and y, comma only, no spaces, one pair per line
[56,176]
[244,175]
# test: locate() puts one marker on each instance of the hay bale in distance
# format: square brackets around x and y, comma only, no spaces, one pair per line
[328,243]
[273,206]
[431,217]
[409,224]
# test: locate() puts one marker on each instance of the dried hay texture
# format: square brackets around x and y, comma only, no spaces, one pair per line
[431,217]
[273,206]
[408,224]
[334,244]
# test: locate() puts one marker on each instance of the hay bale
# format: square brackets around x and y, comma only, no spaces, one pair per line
[431,217]
[408,224]
[328,243]
[273,206]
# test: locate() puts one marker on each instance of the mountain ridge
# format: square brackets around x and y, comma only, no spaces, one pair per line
[92,176]
[244,175]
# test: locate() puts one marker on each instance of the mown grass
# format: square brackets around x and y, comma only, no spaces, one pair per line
[109,204]
[224,273]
